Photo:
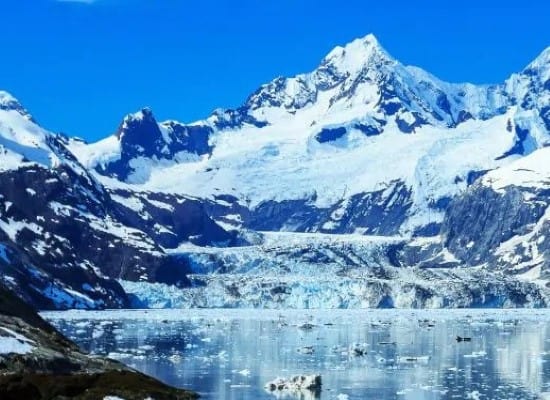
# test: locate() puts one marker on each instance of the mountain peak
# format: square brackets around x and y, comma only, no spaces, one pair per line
[542,61]
[7,98]
[9,103]
[146,113]
[357,54]
[141,123]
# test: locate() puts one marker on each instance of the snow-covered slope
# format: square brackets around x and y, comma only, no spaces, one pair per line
[360,135]
[532,171]
[64,237]
[21,140]
[251,204]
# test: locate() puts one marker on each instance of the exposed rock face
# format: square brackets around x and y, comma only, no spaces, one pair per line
[507,230]
[170,219]
[54,367]
[64,240]
[142,139]
[380,212]
[63,225]
[481,220]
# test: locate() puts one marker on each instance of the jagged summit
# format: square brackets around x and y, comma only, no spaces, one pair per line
[142,122]
[6,98]
[9,102]
[343,69]
[357,54]
[541,61]
[357,91]
[145,112]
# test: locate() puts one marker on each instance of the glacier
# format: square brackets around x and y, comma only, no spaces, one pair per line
[321,271]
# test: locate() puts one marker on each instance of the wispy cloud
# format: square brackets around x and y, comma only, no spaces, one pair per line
[78,1]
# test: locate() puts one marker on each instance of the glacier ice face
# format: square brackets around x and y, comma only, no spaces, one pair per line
[291,270]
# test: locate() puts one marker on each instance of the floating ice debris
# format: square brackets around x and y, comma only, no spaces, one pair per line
[175,358]
[338,349]
[379,324]
[295,384]
[281,322]
[413,359]
[306,326]
[426,323]
[306,350]
[387,362]
[475,395]
[342,396]
[97,333]
[358,349]
[354,349]
[244,372]
[476,354]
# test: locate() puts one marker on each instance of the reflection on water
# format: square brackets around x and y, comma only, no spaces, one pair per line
[231,354]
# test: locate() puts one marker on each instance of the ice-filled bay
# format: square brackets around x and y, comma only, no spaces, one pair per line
[360,354]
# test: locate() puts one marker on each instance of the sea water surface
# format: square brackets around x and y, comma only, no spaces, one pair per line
[232,354]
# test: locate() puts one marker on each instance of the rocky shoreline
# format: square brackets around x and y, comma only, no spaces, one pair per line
[37,362]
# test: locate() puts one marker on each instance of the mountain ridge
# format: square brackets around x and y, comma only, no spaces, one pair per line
[362,145]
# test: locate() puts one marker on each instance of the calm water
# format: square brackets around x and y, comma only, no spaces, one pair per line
[231,354]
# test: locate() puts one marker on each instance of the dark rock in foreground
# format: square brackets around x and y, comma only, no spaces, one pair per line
[52,367]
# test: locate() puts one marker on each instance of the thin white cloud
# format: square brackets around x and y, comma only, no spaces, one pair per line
[78,1]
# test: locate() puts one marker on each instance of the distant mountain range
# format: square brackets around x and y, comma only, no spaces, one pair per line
[364,183]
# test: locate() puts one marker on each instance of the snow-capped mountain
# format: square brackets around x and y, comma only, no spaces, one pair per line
[361,144]
[64,238]
[275,203]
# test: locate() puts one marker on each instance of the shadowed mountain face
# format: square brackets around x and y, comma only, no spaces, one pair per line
[140,137]
[363,145]
[37,362]
[65,238]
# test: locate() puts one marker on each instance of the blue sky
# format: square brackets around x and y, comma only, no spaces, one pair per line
[80,66]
